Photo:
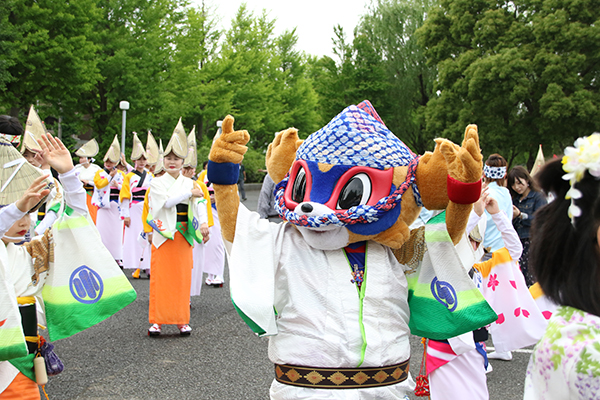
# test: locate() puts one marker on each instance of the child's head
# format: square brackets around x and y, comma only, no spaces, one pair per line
[565,235]
[30,157]
[17,231]
[109,164]
[494,170]
[519,181]
[141,163]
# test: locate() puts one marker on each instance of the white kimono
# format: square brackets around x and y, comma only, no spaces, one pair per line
[165,193]
[17,263]
[318,322]
[134,249]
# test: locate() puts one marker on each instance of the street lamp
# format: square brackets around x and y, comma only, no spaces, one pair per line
[124,105]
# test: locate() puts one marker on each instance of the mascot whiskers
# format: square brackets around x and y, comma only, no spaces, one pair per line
[340,285]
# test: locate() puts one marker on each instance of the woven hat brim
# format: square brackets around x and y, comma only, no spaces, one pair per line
[16,175]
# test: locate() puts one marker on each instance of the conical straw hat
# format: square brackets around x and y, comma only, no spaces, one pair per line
[33,132]
[114,152]
[192,158]
[178,143]
[151,149]
[160,165]
[16,175]
[89,149]
[138,148]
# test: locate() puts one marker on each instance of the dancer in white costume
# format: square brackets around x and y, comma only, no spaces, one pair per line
[214,257]
[133,191]
[189,170]
[86,171]
[32,152]
[214,250]
[107,184]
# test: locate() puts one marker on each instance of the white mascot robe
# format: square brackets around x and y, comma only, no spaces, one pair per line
[318,320]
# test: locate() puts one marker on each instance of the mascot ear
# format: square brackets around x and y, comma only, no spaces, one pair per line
[282,153]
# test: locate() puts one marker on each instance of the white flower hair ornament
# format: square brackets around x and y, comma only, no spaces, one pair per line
[584,156]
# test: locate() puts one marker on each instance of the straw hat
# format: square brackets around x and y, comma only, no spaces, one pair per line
[89,149]
[138,148]
[16,175]
[178,143]
[160,165]
[192,158]
[151,150]
[33,132]
[114,152]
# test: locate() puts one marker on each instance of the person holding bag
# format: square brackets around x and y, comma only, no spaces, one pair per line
[31,275]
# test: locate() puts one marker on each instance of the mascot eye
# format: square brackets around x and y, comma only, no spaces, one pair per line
[355,192]
[299,186]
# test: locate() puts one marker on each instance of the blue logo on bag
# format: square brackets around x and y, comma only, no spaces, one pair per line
[444,293]
[195,223]
[86,285]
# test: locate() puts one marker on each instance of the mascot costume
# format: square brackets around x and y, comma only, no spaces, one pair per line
[343,282]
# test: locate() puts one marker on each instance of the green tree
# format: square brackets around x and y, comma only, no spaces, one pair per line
[47,54]
[390,27]
[524,71]
[134,54]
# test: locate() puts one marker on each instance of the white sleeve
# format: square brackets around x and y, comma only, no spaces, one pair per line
[180,198]
[74,192]
[8,216]
[509,235]
[125,208]
[46,223]
[473,221]
[202,213]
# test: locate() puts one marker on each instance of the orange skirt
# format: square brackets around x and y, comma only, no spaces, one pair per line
[170,282]
[93,210]
[21,388]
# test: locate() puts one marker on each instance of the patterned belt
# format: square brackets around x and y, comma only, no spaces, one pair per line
[341,378]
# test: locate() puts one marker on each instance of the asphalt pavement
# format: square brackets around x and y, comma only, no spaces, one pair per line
[221,359]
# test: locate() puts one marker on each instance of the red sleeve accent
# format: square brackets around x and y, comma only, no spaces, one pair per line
[463,193]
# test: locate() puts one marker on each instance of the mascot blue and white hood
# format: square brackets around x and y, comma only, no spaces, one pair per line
[345,172]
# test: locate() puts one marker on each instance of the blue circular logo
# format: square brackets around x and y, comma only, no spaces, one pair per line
[86,285]
[444,293]
[195,223]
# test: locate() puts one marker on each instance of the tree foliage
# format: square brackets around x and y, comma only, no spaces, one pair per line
[524,71]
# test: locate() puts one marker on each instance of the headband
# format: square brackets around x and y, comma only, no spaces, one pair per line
[494,172]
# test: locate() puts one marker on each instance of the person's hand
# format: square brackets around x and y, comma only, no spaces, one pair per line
[196,191]
[516,212]
[479,205]
[149,236]
[56,154]
[33,195]
[127,221]
[205,233]
[113,172]
[39,159]
[491,205]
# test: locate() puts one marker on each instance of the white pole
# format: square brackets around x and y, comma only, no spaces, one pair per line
[124,105]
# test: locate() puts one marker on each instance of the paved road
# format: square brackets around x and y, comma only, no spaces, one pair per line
[222,359]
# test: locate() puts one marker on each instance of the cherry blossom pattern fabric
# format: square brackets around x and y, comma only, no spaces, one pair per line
[565,364]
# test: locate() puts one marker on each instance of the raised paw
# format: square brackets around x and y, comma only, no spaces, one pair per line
[281,153]
[230,147]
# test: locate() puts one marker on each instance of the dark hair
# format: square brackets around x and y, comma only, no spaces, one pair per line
[496,160]
[564,258]
[10,125]
[520,173]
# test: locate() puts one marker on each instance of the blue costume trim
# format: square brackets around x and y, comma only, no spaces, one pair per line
[223,173]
